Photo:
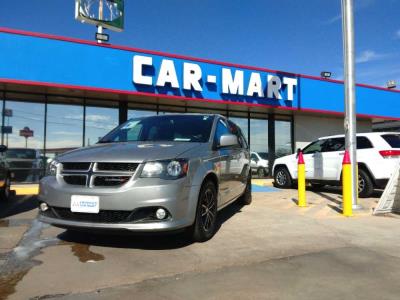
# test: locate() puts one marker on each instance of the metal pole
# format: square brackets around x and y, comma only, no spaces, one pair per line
[350,123]
[100,28]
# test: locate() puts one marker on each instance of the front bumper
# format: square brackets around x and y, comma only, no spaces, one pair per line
[176,196]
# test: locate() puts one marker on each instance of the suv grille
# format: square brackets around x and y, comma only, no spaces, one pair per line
[119,167]
[76,166]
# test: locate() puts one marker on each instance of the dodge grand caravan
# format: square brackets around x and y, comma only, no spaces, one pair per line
[156,173]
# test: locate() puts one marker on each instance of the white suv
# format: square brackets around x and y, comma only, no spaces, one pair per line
[259,163]
[377,155]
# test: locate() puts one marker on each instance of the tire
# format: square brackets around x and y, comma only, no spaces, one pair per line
[260,172]
[317,185]
[204,225]
[282,178]
[246,198]
[365,184]
[5,191]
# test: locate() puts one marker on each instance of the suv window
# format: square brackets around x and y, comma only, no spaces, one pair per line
[314,147]
[363,143]
[221,129]
[254,157]
[392,139]
[334,144]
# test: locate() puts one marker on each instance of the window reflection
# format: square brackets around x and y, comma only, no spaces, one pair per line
[283,139]
[23,133]
[64,128]
[243,124]
[136,113]
[99,121]
[259,147]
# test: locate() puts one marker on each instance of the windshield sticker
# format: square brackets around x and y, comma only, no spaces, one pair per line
[130,125]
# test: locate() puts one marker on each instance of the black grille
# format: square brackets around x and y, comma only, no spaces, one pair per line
[124,167]
[104,216]
[76,166]
[110,180]
[75,179]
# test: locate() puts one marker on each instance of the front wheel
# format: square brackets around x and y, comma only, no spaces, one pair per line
[5,191]
[246,199]
[282,178]
[206,214]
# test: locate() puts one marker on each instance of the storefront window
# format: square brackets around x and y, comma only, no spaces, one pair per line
[23,133]
[259,146]
[243,124]
[283,138]
[136,113]
[64,128]
[99,121]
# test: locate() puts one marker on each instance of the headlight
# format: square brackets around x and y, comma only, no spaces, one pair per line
[166,169]
[52,168]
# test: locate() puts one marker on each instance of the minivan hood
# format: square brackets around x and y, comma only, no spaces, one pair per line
[128,152]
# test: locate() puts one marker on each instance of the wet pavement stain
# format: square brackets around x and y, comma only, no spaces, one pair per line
[84,254]
[8,283]
[19,261]
[14,222]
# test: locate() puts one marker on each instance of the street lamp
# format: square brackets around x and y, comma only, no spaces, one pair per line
[326,74]
[391,84]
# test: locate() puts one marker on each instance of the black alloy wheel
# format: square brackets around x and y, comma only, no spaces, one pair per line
[206,214]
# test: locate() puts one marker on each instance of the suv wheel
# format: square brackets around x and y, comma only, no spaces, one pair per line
[246,199]
[260,172]
[206,214]
[282,178]
[365,185]
[5,191]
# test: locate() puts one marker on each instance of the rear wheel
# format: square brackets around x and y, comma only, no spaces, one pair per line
[5,191]
[206,214]
[260,172]
[365,184]
[282,178]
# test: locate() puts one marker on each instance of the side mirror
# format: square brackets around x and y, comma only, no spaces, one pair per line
[3,148]
[228,140]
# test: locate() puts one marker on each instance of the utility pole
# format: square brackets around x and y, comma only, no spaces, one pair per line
[350,123]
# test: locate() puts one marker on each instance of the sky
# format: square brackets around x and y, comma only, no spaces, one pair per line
[301,36]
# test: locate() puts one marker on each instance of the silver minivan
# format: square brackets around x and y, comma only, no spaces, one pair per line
[157,173]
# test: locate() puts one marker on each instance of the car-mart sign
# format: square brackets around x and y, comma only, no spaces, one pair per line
[164,75]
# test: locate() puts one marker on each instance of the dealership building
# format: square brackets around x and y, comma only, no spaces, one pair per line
[60,93]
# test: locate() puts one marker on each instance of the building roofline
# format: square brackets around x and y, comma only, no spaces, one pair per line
[128,48]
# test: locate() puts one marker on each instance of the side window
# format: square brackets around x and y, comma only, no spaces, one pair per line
[335,144]
[314,147]
[254,157]
[221,129]
[363,143]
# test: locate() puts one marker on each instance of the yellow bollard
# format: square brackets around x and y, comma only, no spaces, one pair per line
[346,182]
[301,180]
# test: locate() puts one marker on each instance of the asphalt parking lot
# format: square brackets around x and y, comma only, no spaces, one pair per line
[268,250]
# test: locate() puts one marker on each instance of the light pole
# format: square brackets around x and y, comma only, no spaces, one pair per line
[350,123]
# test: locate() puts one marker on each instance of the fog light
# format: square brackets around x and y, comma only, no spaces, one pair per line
[161,213]
[43,206]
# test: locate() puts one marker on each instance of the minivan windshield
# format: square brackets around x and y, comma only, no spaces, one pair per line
[170,128]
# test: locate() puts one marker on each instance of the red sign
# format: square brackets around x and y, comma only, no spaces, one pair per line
[26,132]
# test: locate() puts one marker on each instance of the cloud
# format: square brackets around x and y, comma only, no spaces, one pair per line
[334,19]
[358,5]
[369,55]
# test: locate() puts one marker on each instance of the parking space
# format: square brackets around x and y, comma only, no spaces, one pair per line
[258,247]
